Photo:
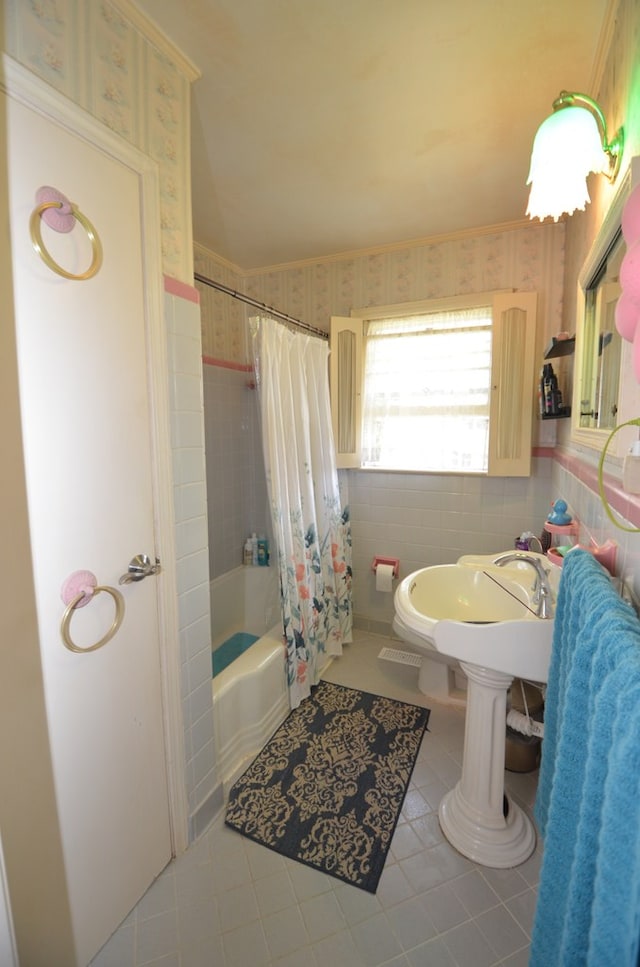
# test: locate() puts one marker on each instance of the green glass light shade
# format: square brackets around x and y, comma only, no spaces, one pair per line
[567,148]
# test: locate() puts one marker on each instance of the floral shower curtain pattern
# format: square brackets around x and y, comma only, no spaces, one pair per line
[311,529]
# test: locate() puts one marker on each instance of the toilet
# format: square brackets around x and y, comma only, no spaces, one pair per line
[439,678]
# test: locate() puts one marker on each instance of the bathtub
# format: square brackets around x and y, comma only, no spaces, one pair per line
[250,696]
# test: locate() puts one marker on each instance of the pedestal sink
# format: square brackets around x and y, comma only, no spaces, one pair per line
[484,616]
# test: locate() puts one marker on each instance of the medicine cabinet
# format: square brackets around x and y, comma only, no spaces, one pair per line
[602,349]
[602,356]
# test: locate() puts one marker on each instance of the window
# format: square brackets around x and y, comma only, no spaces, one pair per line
[426,391]
[440,387]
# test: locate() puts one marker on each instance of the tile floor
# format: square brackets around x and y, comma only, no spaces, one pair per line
[228,902]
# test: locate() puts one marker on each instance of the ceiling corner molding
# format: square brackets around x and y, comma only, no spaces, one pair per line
[603,46]
[395,246]
[150,30]
[208,253]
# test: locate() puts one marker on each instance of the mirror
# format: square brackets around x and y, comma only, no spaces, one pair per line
[600,393]
[602,347]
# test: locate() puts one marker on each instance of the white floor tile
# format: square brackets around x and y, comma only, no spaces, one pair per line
[229,902]
[474,893]
[322,916]
[501,931]
[468,946]
[156,937]
[444,907]
[357,905]
[506,883]
[375,940]
[340,949]
[237,907]
[307,882]
[263,862]
[285,932]
[405,842]
[523,908]
[274,893]
[201,954]
[119,950]
[159,898]
[427,829]
[299,958]
[246,945]
[434,954]
[411,922]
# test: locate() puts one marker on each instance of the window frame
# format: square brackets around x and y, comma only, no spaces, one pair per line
[512,377]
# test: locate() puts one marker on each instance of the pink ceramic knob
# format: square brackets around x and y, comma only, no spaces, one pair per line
[79,583]
[60,219]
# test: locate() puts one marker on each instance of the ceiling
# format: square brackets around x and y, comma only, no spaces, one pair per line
[326,126]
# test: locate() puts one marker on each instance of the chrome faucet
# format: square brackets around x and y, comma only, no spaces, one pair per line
[541,589]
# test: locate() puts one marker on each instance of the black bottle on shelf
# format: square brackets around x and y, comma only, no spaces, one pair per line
[543,388]
[549,389]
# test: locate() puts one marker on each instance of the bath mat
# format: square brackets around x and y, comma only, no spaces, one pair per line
[328,787]
[230,649]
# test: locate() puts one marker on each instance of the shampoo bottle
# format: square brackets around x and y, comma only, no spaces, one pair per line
[254,548]
[247,554]
[542,395]
[263,551]
[549,379]
[554,394]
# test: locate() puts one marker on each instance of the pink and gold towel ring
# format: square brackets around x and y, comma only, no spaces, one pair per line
[77,591]
[61,215]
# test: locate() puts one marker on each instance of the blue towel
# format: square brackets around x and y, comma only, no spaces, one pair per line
[588,802]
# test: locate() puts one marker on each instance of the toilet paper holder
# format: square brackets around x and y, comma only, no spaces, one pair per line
[394,561]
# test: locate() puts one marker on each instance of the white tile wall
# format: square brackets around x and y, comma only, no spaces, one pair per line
[427,519]
[192,541]
[236,485]
[587,507]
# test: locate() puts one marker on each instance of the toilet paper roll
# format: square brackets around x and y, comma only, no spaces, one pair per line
[384,577]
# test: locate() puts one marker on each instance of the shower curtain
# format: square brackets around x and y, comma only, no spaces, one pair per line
[311,529]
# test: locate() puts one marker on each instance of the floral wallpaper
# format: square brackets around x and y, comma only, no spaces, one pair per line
[224,335]
[527,258]
[95,53]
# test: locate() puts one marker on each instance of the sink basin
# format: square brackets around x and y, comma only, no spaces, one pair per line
[483,615]
[464,593]
[475,611]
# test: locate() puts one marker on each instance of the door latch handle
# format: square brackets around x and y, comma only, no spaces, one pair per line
[140,567]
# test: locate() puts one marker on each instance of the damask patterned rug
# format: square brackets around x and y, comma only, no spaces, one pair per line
[328,787]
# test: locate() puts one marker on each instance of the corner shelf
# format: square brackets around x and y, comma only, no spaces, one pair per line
[560,347]
[566,412]
[570,530]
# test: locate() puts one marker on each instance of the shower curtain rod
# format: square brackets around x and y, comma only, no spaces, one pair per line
[260,305]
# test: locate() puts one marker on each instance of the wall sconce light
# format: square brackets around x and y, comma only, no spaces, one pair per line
[569,144]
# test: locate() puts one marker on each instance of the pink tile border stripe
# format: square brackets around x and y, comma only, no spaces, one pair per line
[227,364]
[628,505]
[182,289]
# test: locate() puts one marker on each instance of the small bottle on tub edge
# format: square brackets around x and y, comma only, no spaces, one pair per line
[263,551]
[247,553]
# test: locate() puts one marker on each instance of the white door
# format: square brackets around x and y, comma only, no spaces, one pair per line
[82,360]
[8,957]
